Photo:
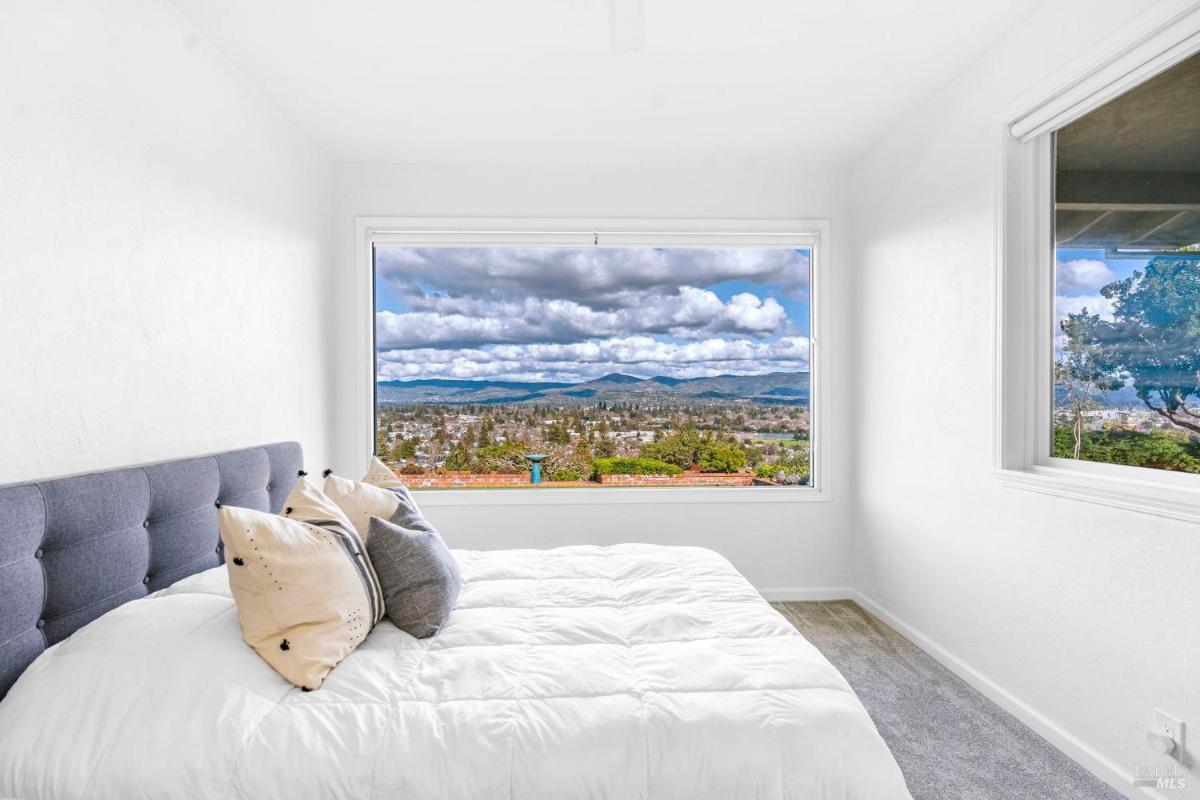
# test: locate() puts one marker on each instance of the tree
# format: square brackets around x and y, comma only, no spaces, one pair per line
[486,430]
[558,433]
[1153,340]
[568,463]
[404,449]
[382,445]
[459,459]
[605,447]
[681,448]
[1080,375]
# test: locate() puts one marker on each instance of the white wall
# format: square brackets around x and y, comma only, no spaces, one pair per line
[779,547]
[1089,615]
[163,247]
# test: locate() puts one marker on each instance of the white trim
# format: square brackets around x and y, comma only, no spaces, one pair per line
[804,594]
[612,232]
[618,495]
[1131,494]
[1087,756]
[1023,312]
[1023,315]
[1165,35]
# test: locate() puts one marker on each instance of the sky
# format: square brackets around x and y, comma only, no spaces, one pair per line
[1079,276]
[572,314]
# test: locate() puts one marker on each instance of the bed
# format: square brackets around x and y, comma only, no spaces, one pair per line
[632,671]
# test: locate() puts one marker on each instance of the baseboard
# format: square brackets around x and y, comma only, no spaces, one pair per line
[1098,764]
[797,594]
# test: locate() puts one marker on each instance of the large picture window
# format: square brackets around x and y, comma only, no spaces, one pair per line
[592,365]
[1127,278]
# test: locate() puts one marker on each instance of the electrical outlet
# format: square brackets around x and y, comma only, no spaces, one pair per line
[1164,725]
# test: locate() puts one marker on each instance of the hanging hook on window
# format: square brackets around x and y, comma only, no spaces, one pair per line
[595,239]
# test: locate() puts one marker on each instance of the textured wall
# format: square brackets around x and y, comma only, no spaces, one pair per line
[163,246]
[1089,615]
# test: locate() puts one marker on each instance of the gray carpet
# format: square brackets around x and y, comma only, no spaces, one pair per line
[951,742]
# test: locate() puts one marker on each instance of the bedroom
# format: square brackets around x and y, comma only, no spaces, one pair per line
[779,293]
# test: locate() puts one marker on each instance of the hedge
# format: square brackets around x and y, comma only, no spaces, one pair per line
[633,466]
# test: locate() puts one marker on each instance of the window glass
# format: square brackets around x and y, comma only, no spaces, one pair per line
[1127,274]
[543,367]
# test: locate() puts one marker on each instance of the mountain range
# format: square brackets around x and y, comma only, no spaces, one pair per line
[774,387]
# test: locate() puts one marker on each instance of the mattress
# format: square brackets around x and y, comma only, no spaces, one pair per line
[633,671]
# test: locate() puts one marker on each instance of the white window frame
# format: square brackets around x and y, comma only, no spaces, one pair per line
[1025,287]
[812,234]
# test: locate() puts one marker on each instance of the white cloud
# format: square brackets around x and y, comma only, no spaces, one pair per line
[577,313]
[464,321]
[1082,276]
[597,277]
[1095,304]
[749,313]
[638,355]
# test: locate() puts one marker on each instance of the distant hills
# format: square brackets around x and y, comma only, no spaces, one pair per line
[774,387]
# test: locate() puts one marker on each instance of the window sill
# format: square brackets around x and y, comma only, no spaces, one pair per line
[617,496]
[1128,493]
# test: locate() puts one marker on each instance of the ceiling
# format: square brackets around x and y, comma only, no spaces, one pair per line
[1155,127]
[540,81]
[1128,173]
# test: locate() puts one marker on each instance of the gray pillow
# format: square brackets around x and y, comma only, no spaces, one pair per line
[419,576]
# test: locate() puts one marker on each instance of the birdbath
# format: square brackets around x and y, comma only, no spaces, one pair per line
[535,466]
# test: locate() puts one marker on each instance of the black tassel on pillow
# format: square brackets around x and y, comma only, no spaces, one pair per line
[327,473]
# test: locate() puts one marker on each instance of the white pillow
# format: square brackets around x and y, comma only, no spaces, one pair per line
[305,589]
[379,494]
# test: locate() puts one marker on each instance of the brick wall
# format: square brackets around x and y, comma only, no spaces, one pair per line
[684,479]
[449,480]
[480,480]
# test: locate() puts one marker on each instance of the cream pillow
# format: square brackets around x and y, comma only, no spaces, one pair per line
[305,590]
[379,494]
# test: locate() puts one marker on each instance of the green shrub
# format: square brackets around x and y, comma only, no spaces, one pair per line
[719,457]
[1160,449]
[633,466]
[500,457]
[795,471]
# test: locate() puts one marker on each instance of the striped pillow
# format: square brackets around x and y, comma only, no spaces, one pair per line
[379,494]
[305,589]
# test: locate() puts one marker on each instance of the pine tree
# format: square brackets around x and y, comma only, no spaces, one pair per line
[486,430]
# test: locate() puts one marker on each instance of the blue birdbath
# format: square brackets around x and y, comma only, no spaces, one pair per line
[535,466]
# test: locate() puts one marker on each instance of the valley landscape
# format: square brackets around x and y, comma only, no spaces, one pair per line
[752,428]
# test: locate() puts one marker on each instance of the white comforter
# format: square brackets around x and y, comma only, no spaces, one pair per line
[600,672]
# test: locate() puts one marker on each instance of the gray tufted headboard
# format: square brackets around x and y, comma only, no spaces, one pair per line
[74,548]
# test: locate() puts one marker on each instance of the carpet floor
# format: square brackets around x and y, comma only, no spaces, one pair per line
[951,742]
